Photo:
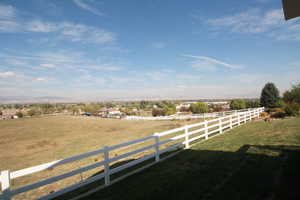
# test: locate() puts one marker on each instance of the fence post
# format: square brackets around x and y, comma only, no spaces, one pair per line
[106,166]
[230,121]
[220,125]
[186,131]
[250,113]
[156,147]
[206,130]
[238,117]
[5,184]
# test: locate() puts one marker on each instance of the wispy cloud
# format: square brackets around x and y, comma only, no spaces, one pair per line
[7,12]
[207,63]
[109,68]
[63,30]
[256,21]
[47,65]
[84,5]
[7,74]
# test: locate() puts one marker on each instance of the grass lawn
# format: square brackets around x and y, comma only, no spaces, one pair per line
[258,160]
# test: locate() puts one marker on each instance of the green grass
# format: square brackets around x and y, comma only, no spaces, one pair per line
[258,160]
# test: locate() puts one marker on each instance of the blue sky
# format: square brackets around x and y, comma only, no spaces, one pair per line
[89,50]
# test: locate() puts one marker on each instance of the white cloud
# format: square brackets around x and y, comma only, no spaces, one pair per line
[82,4]
[83,33]
[7,12]
[39,26]
[255,21]
[7,74]
[109,68]
[41,79]
[47,65]
[64,30]
[207,63]
[7,18]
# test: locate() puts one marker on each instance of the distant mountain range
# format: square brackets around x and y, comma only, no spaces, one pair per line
[55,99]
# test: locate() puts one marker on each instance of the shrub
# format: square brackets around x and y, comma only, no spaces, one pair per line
[279,115]
[292,109]
[199,107]
[19,114]
[264,114]
[237,104]
[157,112]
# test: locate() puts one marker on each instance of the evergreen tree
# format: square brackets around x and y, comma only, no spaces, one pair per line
[269,96]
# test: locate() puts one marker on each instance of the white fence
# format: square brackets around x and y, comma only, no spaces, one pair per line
[181,117]
[162,142]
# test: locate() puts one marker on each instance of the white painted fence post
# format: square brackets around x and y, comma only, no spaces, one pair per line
[250,113]
[5,184]
[206,130]
[220,125]
[230,121]
[106,166]
[238,117]
[186,132]
[156,147]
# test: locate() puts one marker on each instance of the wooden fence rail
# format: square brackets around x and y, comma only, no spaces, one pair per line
[183,137]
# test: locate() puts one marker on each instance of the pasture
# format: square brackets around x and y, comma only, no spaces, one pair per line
[31,141]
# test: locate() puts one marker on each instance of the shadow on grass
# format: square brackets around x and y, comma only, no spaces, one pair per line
[252,172]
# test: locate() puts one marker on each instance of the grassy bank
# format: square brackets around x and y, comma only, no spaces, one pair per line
[258,160]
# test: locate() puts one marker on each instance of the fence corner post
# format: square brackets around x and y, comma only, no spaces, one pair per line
[106,166]
[156,135]
[5,184]
[186,132]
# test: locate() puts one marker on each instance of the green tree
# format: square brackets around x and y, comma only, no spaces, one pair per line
[252,104]
[169,109]
[293,95]
[199,107]
[237,104]
[269,96]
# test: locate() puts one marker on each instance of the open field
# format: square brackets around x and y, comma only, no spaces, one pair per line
[258,160]
[31,141]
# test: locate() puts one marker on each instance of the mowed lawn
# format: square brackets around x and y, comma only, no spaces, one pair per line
[258,160]
[31,141]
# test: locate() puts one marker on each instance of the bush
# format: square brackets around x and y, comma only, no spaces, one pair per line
[199,107]
[292,109]
[157,112]
[264,114]
[237,104]
[275,110]
[279,115]
[19,114]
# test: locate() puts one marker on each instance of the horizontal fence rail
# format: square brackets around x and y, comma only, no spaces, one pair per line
[162,142]
[181,117]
